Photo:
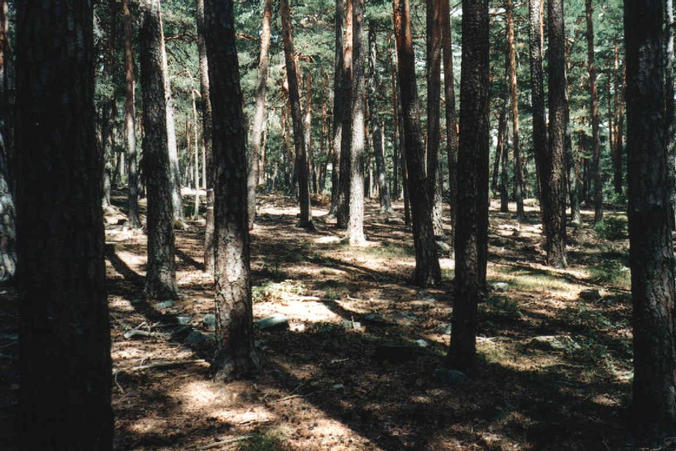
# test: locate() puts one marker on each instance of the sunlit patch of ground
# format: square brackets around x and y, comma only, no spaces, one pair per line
[323,384]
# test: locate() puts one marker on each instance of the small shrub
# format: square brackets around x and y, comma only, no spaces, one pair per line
[612,228]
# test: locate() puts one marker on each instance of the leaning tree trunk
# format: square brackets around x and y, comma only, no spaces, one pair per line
[355,223]
[208,140]
[161,271]
[65,364]
[130,119]
[518,160]
[376,123]
[472,157]
[296,117]
[338,108]
[651,248]
[594,108]
[553,182]
[260,112]
[433,18]
[235,350]
[427,270]
[451,121]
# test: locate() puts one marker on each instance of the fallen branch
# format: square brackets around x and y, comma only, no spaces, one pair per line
[225,442]
[158,365]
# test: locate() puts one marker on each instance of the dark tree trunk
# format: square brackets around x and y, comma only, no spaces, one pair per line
[355,223]
[538,100]
[433,19]
[235,351]
[472,161]
[617,145]
[518,161]
[376,123]
[553,183]
[501,153]
[504,196]
[346,136]
[296,117]
[338,108]
[207,127]
[161,271]
[65,364]
[260,111]
[307,129]
[427,270]
[651,247]
[396,158]
[451,121]
[594,108]
[129,119]
[176,198]
[670,106]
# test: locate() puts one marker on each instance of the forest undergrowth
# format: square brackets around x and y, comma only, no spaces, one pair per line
[360,364]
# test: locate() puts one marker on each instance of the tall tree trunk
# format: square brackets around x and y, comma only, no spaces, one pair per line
[538,100]
[346,136]
[518,161]
[472,161]
[129,119]
[161,271]
[504,196]
[651,248]
[451,121]
[7,221]
[670,106]
[338,108]
[65,364]
[396,147]
[296,116]
[619,120]
[176,198]
[378,142]
[355,223]
[553,183]
[427,270]
[196,146]
[594,108]
[307,129]
[235,351]
[433,19]
[207,127]
[260,111]
[500,157]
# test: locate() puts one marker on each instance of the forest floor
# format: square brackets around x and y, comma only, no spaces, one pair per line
[361,364]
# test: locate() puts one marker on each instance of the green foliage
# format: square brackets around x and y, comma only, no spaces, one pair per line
[612,272]
[612,228]
[271,440]
[277,291]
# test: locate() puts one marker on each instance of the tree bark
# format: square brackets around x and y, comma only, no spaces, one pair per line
[451,120]
[538,100]
[427,270]
[346,136]
[8,218]
[65,364]
[355,223]
[176,198]
[501,153]
[235,350]
[338,108]
[161,270]
[307,129]
[296,117]
[553,183]
[594,108]
[619,122]
[472,161]
[518,161]
[260,111]
[376,123]
[207,127]
[129,119]
[433,38]
[650,195]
